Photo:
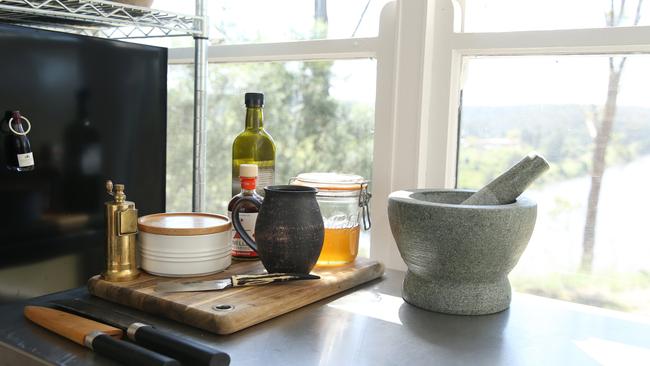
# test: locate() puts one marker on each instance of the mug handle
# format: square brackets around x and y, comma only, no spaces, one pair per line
[237,224]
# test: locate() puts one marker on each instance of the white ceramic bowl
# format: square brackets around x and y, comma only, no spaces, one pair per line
[184,244]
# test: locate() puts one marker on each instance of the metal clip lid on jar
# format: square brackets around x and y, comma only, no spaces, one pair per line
[184,244]
[339,185]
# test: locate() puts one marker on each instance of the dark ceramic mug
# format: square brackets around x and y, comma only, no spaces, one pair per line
[289,229]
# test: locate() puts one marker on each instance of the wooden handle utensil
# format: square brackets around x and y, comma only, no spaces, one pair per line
[101,338]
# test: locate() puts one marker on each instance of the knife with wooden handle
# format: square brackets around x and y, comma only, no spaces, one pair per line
[233,281]
[185,350]
[101,338]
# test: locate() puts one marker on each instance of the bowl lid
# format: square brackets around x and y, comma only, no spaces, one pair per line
[183,223]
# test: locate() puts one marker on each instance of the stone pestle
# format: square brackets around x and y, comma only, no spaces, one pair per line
[505,188]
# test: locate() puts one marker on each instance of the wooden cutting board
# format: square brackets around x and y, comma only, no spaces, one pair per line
[230,310]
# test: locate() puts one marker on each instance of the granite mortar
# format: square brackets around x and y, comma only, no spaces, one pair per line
[458,256]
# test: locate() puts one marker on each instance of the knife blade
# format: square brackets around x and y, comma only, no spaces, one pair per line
[233,281]
[187,351]
[101,338]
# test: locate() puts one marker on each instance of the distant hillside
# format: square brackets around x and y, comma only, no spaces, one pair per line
[494,138]
[536,122]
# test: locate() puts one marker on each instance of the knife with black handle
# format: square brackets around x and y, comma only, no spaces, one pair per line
[186,350]
[125,352]
[101,338]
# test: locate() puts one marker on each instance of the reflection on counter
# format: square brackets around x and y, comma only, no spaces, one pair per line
[16,285]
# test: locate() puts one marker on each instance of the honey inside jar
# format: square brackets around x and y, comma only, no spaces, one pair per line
[343,202]
[340,246]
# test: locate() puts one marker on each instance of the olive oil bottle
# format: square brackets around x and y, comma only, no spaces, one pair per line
[254,146]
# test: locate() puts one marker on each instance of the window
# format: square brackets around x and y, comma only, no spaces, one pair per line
[263,21]
[314,129]
[523,15]
[257,21]
[319,71]
[571,94]
[527,82]
[556,105]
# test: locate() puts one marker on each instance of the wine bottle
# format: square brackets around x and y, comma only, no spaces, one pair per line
[254,146]
[247,213]
[18,151]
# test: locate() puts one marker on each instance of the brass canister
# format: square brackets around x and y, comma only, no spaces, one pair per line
[121,229]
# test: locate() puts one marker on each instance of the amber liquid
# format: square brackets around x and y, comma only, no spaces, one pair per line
[340,246]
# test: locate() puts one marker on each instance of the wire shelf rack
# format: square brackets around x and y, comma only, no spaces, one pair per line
[107,19]
[100,18]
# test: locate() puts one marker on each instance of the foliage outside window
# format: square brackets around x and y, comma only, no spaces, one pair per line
[314,130]
[320,113]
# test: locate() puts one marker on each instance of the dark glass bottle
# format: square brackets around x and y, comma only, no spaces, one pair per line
[18,151]
[254,146]
[247,213]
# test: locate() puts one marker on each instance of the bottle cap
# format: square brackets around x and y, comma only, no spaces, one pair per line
[248,170]
[254,99]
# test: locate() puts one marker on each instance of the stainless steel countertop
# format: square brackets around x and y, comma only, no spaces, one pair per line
[371,325]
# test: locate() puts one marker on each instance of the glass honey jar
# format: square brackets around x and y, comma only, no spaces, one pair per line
[343,200]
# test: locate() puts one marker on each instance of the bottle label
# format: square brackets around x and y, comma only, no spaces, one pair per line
[265,177]
[239,247]
[25,160]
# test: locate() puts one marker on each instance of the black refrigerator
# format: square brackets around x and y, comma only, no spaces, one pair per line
[97,110]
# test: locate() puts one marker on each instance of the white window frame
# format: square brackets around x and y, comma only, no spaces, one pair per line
[419,52]
[398,49]
[448,47]
[426,154]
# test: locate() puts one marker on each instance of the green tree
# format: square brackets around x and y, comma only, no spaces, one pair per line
[313,131]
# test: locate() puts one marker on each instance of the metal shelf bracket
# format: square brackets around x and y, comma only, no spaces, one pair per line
[100,18]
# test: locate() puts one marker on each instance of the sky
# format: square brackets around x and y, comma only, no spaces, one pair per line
[518,80]
[352,80]
[513,80]
[512,15]
[280,20]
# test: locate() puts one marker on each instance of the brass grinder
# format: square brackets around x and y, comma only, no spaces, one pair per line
[121,229]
